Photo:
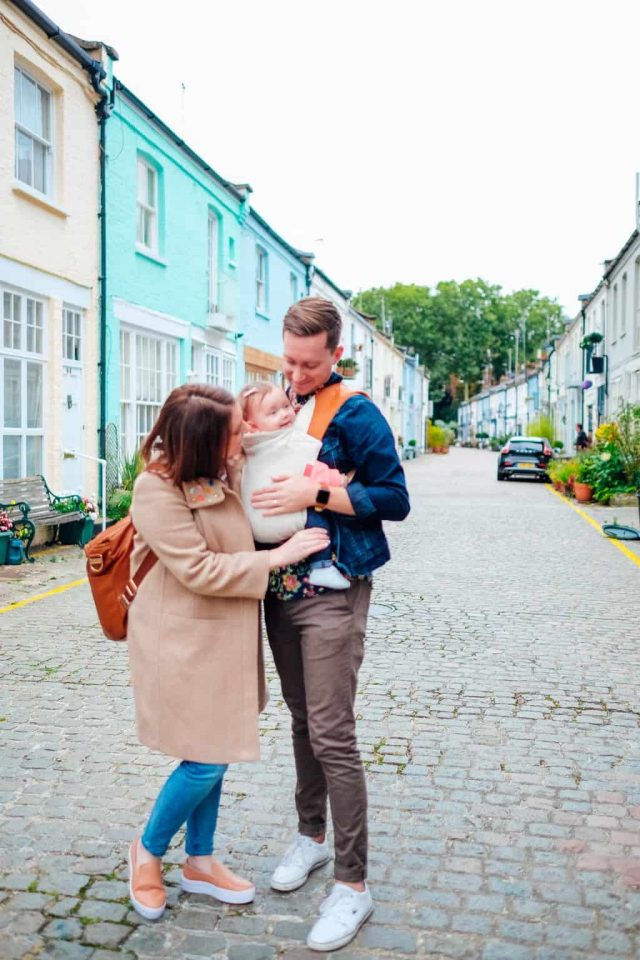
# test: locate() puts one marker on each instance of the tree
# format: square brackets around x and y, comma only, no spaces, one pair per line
[462,331]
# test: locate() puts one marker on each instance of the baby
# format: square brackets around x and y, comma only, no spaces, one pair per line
[272,443]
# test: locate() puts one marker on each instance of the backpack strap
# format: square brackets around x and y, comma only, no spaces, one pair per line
[327,402]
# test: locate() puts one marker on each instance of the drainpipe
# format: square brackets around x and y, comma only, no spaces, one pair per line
[548,361]
[102,362]
[583,352]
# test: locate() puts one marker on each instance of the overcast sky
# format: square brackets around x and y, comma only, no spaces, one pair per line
[404,140]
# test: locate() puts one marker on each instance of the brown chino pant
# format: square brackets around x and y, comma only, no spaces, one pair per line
[318,647]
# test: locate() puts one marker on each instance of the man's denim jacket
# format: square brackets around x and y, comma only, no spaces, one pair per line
[359,438]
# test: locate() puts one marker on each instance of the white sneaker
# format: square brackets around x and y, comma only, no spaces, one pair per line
[328,577]
[300,859]
[341,916]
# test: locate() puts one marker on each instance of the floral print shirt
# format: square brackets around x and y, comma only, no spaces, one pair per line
[292,583]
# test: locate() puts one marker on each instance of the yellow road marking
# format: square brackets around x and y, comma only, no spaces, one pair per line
[43,596]
[585,516]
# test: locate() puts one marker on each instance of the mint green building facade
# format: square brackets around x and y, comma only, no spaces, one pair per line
[173,238]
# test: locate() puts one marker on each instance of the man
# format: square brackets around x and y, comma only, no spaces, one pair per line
[317,635]
[582,440]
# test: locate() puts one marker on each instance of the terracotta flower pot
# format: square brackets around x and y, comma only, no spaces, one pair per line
[444,450]
[582,492]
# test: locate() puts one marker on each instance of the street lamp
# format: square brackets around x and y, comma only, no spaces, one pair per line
[72,455]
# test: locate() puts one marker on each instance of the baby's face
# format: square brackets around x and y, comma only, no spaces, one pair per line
[273,412]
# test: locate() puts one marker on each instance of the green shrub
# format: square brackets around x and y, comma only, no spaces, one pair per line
[541,426]
[118,503]
[437,437]
[130,468]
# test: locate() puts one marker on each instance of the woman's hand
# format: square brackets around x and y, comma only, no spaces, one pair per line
[300,546]
[287,495]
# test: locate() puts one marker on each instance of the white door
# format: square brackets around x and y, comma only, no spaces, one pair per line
[72,400]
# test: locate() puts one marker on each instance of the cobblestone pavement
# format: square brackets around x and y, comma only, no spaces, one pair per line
[499,725]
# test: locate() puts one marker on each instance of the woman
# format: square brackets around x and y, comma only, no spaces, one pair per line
[194,637]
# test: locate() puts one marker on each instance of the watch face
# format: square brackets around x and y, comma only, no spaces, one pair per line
[322,496]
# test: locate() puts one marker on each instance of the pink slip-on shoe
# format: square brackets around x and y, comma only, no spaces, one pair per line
[146,887]
[220,883]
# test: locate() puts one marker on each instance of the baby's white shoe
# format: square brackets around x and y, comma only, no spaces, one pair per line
[328,577]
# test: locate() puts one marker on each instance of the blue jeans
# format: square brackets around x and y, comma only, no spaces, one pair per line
[322,521]
[191,794]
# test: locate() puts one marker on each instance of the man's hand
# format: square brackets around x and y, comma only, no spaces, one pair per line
[287,495]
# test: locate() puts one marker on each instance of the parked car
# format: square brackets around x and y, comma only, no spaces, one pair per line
[525,457]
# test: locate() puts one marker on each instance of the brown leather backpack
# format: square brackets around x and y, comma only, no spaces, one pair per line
[108,569]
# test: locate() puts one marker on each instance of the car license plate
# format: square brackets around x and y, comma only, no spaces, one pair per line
[529,466]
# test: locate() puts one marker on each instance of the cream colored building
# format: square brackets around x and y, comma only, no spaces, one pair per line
[388,383]
[49,252]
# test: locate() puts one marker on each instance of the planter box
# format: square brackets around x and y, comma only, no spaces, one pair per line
[78,532]
[4,545]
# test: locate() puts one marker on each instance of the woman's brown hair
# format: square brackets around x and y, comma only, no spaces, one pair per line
[191,434]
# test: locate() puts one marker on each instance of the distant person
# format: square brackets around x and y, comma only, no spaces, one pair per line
[582,440]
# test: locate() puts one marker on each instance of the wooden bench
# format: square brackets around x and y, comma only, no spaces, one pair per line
[30,504]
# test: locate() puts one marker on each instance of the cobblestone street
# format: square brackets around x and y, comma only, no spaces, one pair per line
[499,721]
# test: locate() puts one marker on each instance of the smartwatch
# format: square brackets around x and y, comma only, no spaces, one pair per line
[322,497]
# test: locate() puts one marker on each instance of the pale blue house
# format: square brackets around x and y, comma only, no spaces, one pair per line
[171,267]
[273,275]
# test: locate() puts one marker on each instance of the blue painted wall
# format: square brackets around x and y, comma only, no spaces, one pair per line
[176,282]
[286,283]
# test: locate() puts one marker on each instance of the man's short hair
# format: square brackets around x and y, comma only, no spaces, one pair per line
[313,315]
[578,426]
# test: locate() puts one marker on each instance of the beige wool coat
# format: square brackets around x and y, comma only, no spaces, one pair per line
[194,641]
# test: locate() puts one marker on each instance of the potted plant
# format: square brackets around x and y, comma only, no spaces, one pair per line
[582,487]
[347,367]
[589,341]
[436,439]
[119,500]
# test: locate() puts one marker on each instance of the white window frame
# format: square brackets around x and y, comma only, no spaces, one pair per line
[145,209]
[72,336]
[147,382]
[262,280]
[624,292]
[21,129]
[212,367]
[293,285]
[18,352]
[213,260]
[229,372]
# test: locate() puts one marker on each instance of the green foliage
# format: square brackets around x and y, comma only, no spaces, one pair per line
[130,468]
[604,471]
[437,436]
[628,442]
[118,503]
[66,506]
[541,426]
[458,328]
